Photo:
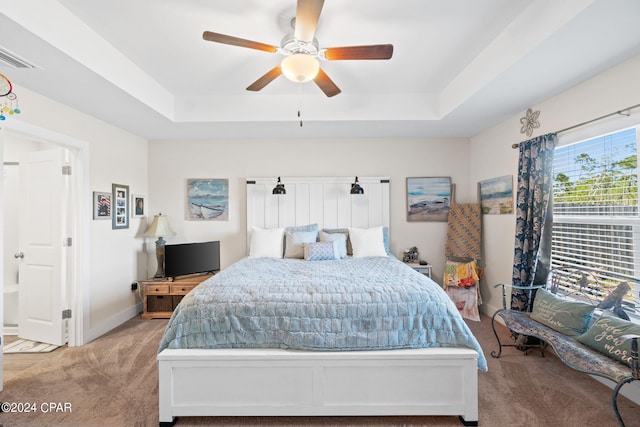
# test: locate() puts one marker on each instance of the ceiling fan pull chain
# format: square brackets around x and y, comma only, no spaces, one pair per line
[299,103]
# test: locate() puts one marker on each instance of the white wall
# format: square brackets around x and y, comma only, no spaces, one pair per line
[113,257]
[493,156]
[171,163]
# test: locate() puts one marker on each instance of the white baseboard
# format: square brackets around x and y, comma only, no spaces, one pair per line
[10,330]
[113,322]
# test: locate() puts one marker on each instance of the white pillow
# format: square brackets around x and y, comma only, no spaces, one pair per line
[367,242]
[266,243]
[340,239]
[295,239]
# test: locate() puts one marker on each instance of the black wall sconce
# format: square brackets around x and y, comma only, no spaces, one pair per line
[279,188]
[355,188]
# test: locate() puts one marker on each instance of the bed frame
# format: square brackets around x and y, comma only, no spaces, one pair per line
[434,381]
[273,382]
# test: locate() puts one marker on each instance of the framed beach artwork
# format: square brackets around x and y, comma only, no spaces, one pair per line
[429,199]
[120,206]
[101,205]
[496,195]
[207,199]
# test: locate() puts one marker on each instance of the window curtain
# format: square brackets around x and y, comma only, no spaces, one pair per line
[533,217]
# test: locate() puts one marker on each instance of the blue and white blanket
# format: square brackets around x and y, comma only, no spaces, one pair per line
[375,303]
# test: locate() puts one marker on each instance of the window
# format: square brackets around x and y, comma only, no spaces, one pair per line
[596,222]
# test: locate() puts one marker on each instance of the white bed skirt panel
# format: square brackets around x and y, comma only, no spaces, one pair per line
[272,382]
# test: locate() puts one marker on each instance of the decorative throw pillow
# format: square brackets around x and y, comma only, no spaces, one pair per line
[266,243]
[385,238]
[321,251]
[309,227]
[343,231]
[569,317]
[367,242]
[339,238]
[294,228]
[294,241]
[604,336]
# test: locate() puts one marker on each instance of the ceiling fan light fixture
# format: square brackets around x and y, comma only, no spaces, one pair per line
[300,67]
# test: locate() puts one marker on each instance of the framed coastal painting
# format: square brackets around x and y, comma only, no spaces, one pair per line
[429,198]
[496,195]
[207,199]
[120,206]
[101,205]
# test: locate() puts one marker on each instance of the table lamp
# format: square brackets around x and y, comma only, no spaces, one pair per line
[160,227]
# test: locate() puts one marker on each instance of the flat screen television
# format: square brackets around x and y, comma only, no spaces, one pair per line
[191,258]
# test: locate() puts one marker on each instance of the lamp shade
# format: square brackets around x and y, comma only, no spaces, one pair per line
[300,67]
[159,227]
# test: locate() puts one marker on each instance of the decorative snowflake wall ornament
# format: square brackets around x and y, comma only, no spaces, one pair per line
[530,122]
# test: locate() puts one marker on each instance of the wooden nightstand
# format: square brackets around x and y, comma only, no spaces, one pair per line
[423,269]
[161,296]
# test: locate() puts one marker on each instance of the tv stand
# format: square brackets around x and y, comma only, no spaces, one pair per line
[193,276]
[160,296]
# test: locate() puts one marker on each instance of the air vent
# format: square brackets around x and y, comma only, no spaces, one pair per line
[11,59]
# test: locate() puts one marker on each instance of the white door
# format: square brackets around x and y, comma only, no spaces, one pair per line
[42,271]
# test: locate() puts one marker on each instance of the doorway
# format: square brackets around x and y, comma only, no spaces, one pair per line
[36,262]
[78,222]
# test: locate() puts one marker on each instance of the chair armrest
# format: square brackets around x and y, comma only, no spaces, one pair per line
[635,368]
[505,285]
[629,337]
[520,287]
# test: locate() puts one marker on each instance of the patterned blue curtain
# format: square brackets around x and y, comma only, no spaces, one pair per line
[533,216]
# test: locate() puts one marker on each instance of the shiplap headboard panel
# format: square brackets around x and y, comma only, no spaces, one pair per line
[325,201]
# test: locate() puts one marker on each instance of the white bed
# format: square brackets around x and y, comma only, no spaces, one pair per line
[264,382]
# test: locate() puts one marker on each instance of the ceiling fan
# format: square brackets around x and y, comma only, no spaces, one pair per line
[302,52]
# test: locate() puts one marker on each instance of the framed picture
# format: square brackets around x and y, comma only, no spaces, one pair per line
[120,203]
[207,199]
[101,205]
[429,199]
[496,195]
[137,206]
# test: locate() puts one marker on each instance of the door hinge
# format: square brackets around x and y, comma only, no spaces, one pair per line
[66,314]
[68,241]
[66,170]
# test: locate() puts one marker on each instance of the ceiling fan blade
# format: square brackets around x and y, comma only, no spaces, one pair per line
[376,51]
[236,41]
[326,84]
[307,16]
[267,78]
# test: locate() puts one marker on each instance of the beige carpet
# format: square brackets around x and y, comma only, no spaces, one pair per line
[113,382]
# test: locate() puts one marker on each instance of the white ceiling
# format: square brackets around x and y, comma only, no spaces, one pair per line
[459,66]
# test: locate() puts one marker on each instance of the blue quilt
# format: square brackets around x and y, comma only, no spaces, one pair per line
[375,303]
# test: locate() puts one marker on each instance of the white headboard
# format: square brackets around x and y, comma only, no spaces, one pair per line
[325,201]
